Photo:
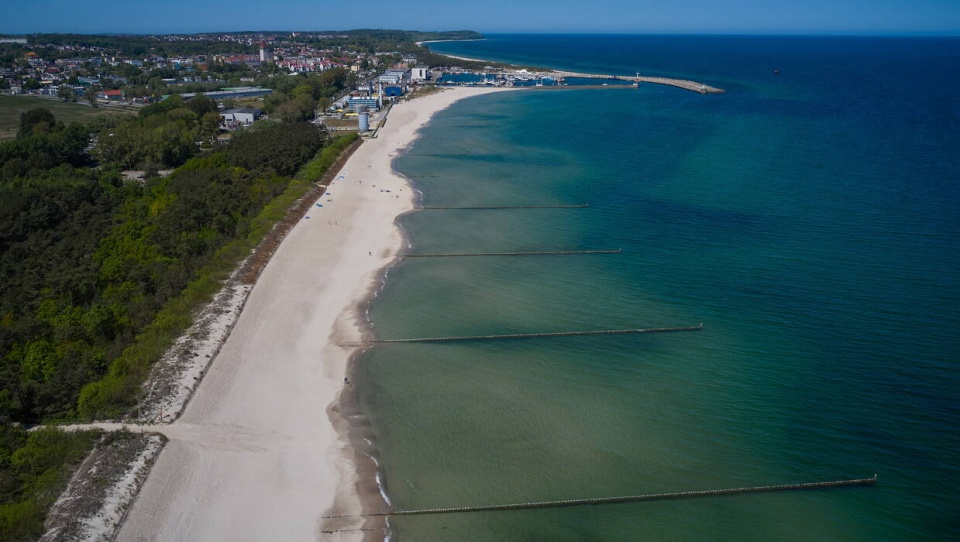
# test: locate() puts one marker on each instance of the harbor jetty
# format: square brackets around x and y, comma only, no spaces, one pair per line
[681,83]
[560,78]
[685,84]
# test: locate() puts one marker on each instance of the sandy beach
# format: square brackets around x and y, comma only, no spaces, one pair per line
[256,454]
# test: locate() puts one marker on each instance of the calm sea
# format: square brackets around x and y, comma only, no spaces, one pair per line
[810,219]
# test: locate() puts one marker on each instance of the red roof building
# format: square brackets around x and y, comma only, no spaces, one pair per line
[110,95]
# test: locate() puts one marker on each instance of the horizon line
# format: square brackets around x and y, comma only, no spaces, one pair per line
[758,33]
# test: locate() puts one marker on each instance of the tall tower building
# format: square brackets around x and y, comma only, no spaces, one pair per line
[264,52]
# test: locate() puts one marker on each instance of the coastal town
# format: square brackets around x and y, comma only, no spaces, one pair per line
[239,71]
[252,75]
[119,74]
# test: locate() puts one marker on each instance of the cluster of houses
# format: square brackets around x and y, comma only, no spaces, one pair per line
[51,77]
[33,74]
[48,75]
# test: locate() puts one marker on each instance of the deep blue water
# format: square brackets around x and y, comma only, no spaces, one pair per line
[810,219]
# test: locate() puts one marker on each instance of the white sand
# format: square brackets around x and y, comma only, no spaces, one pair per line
[254,455]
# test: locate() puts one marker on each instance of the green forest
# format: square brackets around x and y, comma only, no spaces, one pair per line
[99,274]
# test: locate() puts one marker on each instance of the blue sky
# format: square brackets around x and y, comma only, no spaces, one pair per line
[491,16]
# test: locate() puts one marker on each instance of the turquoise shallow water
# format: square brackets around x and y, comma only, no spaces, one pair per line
[810,220]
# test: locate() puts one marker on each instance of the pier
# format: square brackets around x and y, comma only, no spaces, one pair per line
[529,335]
[535,253]
[519,77]
[680,83]
[857,482]
[693,86]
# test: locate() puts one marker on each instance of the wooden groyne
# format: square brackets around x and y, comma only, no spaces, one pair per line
[538,253]
[502,207]
[534,335]
[857,482]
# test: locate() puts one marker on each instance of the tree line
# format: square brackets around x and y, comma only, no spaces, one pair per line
[363,40]
[92,265]
[87,259]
